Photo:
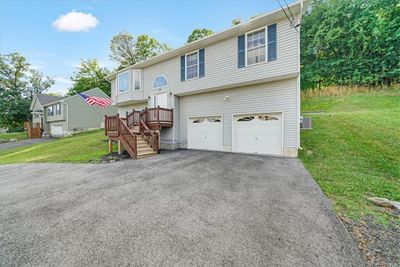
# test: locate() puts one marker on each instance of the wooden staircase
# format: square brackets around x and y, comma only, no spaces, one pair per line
[139,131]
[33,132]
[143,148]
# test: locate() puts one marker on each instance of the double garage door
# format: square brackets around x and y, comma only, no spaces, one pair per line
[253,133]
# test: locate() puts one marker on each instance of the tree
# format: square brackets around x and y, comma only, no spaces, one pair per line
[236,21]
[199,34]
[90,75]
[38,83]
[14,107]
[126,50]
[350,42]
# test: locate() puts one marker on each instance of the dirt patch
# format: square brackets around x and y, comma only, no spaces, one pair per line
[380,245]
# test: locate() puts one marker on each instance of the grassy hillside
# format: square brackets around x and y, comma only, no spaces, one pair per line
[79,148]
[353,151]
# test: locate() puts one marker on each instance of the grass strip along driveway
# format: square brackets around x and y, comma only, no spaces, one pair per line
[79,148]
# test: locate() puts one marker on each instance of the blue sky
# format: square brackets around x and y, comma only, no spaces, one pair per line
[29,27]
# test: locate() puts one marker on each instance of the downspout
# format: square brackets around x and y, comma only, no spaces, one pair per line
[66,118]
[299,77]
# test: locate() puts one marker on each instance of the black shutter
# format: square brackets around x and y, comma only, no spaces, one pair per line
[201,63]
[272,54]
[241,51]
[183,68]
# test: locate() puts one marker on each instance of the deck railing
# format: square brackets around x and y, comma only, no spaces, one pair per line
[155,116]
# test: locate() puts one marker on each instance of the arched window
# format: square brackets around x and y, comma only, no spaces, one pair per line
[160,81]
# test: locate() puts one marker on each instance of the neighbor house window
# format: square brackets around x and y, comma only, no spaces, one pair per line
[123,82]
[50,111]
[160,81]
[137,82]
[58,109]
[192,65]
[255,47]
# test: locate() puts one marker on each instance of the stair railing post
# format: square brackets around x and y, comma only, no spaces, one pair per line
[135,145]
[145,115]
[158,115]
[117,122]
[105,124]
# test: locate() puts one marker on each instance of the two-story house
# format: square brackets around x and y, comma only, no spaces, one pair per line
[237,90]
[62,116]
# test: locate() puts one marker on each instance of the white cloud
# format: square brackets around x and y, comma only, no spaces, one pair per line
[61,85]
[75,22]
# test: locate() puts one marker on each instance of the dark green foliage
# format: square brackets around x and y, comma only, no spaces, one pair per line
[198,34]
[351,42]
[90,75]
[128,50]
[16,89]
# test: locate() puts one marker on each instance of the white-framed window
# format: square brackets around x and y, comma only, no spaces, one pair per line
[58,109]
[159,82]
[255,47]
[137,83]
[50,111]
[123,82]
[192,65]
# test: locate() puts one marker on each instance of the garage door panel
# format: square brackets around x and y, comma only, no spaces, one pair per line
[56,130]
[205,133]
[258,134]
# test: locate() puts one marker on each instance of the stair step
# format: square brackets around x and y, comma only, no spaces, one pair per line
[144,150]
[143,145]
[147,154]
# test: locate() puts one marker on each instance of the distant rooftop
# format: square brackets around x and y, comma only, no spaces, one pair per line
[44,99]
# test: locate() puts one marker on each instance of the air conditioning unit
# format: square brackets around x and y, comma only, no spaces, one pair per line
[305,123]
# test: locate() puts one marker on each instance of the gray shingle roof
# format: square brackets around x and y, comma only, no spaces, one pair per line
[44,99]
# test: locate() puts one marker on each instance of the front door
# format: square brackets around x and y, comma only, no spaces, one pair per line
[161,100]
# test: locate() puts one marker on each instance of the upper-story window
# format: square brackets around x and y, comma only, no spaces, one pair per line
[137,80]
[123,82]
[192,65]
[160,81]
[256,47]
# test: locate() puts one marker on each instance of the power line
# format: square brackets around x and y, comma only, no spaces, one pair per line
[291,22]
[289,9]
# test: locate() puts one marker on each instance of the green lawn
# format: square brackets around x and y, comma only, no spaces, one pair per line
[79,148]
[353,151]
[18,136]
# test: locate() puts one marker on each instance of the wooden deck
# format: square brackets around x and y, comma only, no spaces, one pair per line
[139,131]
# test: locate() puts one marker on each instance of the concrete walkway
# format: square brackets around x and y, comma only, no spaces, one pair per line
[183,208]
[25,142]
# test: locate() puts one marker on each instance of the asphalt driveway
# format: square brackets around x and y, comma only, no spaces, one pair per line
[183,208]
[25,142]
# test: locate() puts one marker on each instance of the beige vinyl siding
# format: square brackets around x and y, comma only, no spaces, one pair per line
[221,65]
[271,97]
[128,108]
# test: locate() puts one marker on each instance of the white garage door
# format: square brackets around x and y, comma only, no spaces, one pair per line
[56,130]
[205,133]
[261,133]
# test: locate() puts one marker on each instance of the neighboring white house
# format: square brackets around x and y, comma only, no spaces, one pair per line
[63,116]
[235,91]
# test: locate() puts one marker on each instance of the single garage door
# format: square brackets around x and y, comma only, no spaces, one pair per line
[56,130]
[205,133]
[258,133]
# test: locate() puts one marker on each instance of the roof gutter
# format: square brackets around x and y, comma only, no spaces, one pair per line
[232,31]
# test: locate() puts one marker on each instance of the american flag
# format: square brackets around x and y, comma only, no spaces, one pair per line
[95,100]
